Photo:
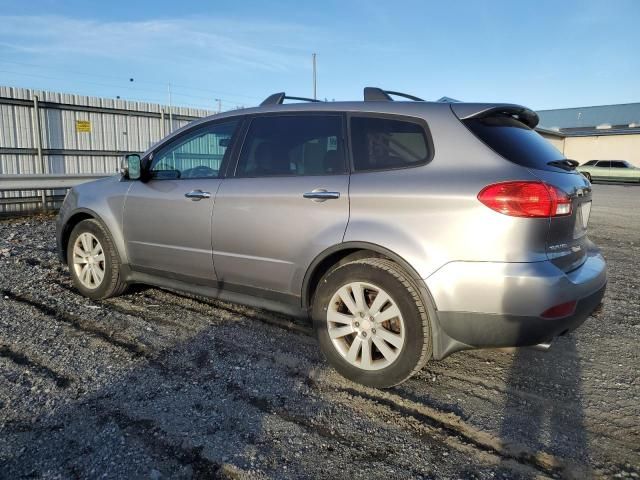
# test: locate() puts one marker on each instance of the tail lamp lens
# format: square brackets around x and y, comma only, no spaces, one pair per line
[526,199]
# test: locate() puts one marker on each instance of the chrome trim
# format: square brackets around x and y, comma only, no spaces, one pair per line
[196,195]
[321,195]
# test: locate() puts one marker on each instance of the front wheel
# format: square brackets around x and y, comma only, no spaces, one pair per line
[371,322]
[93,261]
[587,176]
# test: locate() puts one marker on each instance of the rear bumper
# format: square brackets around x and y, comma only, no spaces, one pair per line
[485,304]
[494,330]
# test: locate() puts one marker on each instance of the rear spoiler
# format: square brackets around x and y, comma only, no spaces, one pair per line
[466,111]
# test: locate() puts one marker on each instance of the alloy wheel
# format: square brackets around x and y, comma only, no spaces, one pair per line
[365,326]
[88,260]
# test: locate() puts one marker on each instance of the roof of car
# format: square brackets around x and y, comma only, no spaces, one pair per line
[402,108]
[376,101]
[462,110]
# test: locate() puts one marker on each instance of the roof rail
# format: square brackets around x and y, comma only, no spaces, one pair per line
[375,94]
[280,97]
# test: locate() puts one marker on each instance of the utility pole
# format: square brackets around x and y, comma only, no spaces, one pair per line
[37,132]
[219,105]
[315,77]
[170,109]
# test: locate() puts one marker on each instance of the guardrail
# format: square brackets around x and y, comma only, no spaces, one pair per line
[44,184]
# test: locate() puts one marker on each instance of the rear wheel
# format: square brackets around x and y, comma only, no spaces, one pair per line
[371,323]
[93,262]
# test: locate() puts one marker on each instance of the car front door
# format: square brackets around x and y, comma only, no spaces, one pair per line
[284,203]
[602,170]
[167,218]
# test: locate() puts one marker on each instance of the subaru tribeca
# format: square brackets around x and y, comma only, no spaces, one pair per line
[406,230]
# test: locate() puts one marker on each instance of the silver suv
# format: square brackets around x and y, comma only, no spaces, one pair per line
[406,230]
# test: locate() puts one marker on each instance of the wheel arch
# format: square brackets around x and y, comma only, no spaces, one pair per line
[74,219]
[348,251]
[443,345]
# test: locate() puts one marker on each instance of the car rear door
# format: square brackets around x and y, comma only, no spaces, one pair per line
[167,218]
[285,202]
[620,171]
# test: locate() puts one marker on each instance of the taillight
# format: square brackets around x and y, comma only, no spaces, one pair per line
[526,199]
[561,310]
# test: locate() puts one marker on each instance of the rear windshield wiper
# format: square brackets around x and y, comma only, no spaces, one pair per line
[565,164]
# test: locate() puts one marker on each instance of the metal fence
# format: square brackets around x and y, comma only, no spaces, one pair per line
[48,133]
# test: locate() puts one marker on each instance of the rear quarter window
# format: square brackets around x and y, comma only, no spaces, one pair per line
[384,143]
[515,141]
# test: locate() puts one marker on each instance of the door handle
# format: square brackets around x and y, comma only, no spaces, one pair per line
[320,195]
[196,195]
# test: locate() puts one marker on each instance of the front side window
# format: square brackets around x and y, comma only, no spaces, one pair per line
[292,145]
[383,143]
[197,154]
[604,164]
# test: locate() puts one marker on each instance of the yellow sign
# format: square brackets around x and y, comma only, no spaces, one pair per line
[83,126]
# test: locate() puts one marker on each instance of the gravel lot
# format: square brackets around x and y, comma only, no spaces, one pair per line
[158,384]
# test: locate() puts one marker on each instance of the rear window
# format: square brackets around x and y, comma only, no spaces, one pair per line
[515,141]
[383,143]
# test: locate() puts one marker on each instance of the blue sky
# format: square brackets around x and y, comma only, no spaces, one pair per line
[544,54]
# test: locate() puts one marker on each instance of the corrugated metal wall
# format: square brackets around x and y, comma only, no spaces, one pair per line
[115,127]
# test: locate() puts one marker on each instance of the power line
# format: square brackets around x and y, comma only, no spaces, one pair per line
[157,95]
[162,101]
[112,77]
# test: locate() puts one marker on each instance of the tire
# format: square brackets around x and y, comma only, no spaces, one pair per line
[407,336]
[588,176]
[111,283]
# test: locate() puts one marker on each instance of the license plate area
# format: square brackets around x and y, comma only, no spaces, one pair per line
[582,219]
[585,212]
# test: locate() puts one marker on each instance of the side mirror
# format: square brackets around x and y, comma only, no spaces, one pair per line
[131,166]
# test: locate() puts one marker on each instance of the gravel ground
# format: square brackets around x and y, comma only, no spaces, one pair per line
[159,384]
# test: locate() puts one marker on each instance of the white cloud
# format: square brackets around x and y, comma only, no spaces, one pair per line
[228,44]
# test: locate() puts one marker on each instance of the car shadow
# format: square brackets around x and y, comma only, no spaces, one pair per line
[237,396]
[210,392]
[203,408]
[543,407]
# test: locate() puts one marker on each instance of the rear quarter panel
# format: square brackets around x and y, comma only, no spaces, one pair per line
[430,215]
[629,174]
